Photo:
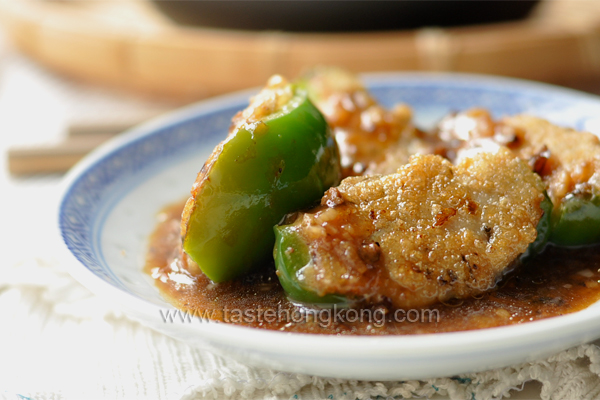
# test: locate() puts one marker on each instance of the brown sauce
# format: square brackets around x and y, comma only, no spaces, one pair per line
[560,281]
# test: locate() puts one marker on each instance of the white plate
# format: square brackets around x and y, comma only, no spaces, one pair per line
[112,197]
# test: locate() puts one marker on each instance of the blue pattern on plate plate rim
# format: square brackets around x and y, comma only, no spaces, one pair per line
[90,197]
[93,193]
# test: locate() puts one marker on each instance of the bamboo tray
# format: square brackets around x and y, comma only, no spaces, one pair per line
[128,44]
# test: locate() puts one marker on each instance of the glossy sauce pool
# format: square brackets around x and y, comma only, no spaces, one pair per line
[558,282]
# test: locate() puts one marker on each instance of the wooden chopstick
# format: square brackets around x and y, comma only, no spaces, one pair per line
[53,158]
[83,136]
[77,128]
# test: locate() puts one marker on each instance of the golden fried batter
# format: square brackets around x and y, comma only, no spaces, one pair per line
[428,233]
[567,160]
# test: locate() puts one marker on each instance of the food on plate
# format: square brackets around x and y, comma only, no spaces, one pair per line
[279,157]
[568,162]
[428,233]
[457,218]
[368,134]
[557,282]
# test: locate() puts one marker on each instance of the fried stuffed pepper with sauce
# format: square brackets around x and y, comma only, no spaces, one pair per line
[431,232]
[279,156]
[568,162]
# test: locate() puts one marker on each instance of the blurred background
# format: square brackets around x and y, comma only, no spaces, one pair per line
[84,70]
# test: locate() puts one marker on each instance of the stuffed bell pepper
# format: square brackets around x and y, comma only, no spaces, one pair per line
[279,157]
[431,232]
[568,162]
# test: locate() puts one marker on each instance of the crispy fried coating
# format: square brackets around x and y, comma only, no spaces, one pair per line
[428,233]
[567,160]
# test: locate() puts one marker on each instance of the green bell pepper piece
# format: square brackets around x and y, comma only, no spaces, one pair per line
[265,169]
[291,255]
[544,231]
[576,222]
